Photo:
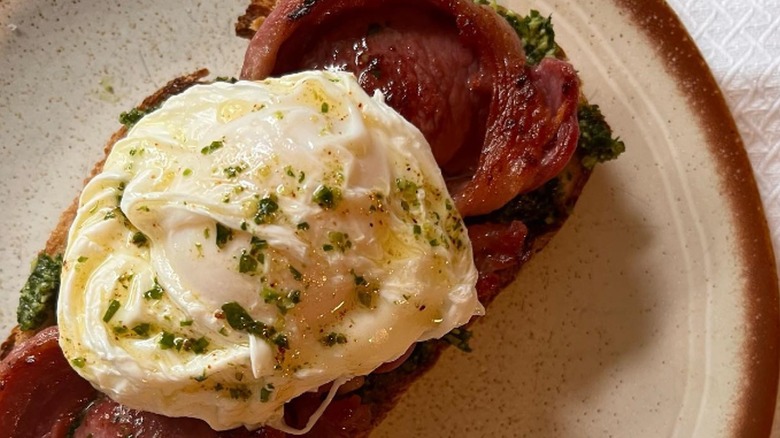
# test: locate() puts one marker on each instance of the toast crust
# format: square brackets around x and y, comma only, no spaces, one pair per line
[255,14]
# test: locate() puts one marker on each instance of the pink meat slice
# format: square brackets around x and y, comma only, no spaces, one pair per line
[40,394]
[107,419]
[456,70]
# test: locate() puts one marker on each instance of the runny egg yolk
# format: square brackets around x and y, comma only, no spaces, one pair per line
[249,242]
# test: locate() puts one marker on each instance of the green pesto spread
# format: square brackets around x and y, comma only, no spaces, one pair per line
[39,295]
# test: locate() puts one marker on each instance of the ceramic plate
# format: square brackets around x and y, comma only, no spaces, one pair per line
[652,313]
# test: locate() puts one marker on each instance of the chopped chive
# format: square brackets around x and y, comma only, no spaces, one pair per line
[258,245]
[333,338]
[326,197]
[215,145]
[267,208]
[200,345]
[247,263]
[238,319]
[167,340]
[339,240]
[139,239]
[269,295]
[142,329]
[232,171]
[155,293]
[297,276]
[112,308]
[224,234]
[265,392]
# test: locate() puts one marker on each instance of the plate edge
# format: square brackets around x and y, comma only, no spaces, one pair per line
[761,355]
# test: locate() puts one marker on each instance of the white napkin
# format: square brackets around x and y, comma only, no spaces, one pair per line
[740,39]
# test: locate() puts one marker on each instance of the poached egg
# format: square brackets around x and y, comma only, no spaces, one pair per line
[249,242]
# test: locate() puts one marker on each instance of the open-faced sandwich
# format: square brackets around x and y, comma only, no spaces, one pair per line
[286,252]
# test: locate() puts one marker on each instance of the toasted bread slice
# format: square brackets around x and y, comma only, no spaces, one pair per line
[379,391]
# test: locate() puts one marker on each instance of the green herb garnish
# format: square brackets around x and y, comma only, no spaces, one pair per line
[39,294]
[155,293]
[113,306]
[215,145]
[238,319]
[142,329]
[224,234]
[365,291]
[338,240]
[297,276]
[247,263]
[326,197]
[267,209]
[130,118]
[333,338]
[265,392]
[139,239]
[167,340]
[596,141]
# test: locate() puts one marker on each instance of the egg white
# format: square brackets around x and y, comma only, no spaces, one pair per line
[357,254]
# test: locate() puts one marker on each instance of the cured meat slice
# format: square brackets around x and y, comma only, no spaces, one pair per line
[500,249]
[108,419]
[497,126]
[40,394]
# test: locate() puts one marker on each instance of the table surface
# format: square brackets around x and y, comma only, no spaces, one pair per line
[740,39]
